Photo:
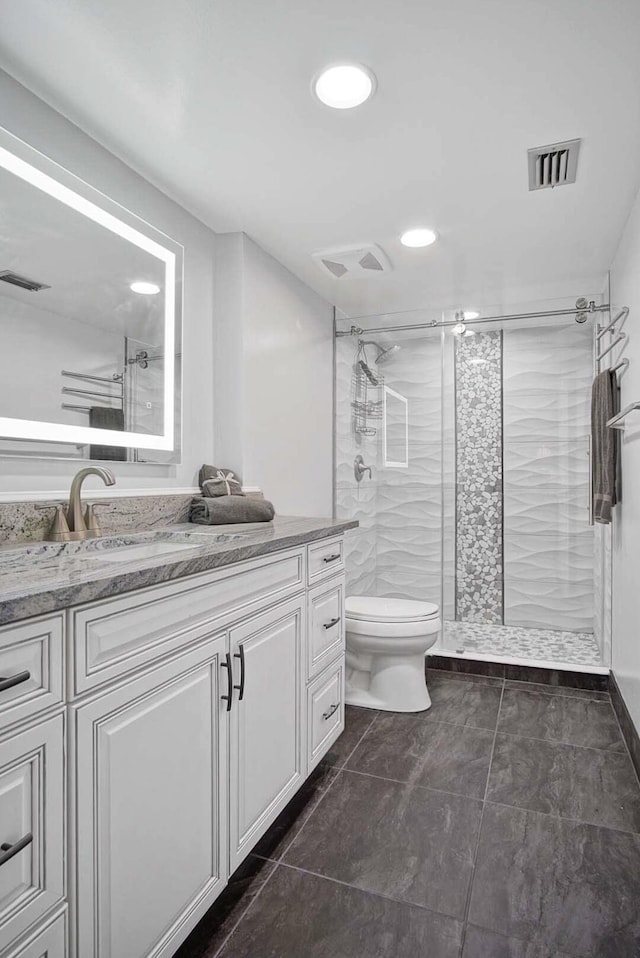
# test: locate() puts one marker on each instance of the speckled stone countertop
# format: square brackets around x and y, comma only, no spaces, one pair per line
[43,577]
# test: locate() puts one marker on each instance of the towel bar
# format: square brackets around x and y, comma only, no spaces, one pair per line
[616,422]
[623,312]
[616,341]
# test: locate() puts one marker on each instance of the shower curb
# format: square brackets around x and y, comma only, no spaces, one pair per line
[590,681]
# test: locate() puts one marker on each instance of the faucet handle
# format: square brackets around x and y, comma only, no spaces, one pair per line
[59,529]
[91,519]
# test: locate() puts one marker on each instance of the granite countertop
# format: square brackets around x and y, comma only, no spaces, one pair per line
[36,578]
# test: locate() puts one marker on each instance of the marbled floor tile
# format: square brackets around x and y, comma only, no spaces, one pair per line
[303,916]
[560,719]
[356,723]
[440,675]
[296,813]
[589,785]
[479,943]
[407,843]
[463,703]
[574,887]
[405,748]
[209,934]
[594,696]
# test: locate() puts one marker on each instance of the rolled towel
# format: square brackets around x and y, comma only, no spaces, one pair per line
[219,482]
[225,510]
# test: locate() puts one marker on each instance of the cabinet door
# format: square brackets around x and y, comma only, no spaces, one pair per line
[149,854]
[267,721]
[31,826]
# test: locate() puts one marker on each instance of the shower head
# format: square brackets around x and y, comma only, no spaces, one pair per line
[384,353]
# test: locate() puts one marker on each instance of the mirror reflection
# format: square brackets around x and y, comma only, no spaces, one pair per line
[82,321]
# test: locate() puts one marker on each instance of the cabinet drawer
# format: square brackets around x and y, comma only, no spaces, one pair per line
[326,625]
[30,656]
[324,559]
[32,823]
[47,942]
[109,639]
[325,704]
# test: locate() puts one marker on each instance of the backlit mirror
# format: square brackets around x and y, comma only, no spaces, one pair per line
[90,300]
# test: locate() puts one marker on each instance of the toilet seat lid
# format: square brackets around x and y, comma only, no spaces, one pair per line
[369,608]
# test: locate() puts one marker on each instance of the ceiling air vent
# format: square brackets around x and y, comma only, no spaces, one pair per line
[14,279]
[355,261]
[554,165]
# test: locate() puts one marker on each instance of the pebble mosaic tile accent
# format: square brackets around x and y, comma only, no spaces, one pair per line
[579,648]
[479,506]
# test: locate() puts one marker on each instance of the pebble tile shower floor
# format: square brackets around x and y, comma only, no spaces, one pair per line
[543,645]
[502,823]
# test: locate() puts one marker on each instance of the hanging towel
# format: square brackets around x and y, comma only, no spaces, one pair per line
[226,510]
[604,445]
[104,417]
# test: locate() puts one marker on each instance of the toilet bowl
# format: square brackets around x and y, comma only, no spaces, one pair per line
[386,644]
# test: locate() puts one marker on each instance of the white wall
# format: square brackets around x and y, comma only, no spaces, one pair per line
[32,120]
[274,371]
[625,291]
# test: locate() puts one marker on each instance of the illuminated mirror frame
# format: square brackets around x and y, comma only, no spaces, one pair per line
[396,463]
[46,175]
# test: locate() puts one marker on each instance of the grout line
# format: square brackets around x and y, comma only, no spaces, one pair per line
[399,781]
[477,848]
[359,742]
[369,891]
[557,741]
[249,906]
[415,716]
[539,687]
[563,818]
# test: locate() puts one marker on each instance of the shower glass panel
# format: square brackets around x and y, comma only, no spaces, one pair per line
[478,498]
[518,544]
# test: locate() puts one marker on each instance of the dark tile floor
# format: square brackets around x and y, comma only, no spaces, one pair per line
[503,823]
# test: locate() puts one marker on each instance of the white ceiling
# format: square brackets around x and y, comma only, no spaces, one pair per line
[210,99]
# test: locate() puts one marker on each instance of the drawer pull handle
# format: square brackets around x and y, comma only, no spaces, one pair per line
[9,681]
[330,624]
[229,697]
[240,655]
[8,850]
[334,708]
[332,558]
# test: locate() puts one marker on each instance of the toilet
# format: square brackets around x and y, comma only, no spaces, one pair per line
[386,644]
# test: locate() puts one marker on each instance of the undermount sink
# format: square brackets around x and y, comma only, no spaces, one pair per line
[149,550]
[120,548]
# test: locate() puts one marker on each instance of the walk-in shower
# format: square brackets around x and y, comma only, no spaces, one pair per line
[477,434]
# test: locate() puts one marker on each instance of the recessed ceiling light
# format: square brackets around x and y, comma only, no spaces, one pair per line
[419,237]
[470,314]
[344,85]
[147,289]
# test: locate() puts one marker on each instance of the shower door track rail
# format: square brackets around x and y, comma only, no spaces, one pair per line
[436,324]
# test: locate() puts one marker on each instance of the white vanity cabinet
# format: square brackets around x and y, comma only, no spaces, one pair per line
[194,711]
[149,803]
[267,741]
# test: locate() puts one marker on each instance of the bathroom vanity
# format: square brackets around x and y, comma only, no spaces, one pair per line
[158,709]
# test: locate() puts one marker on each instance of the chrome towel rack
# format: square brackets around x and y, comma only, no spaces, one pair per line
[617,422]
[614,330]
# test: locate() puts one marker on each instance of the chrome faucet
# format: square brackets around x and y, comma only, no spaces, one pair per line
[74,525]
